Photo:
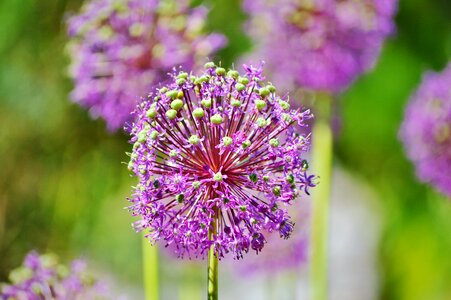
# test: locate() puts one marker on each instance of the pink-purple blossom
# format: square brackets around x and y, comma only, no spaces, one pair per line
[43,277]
[426,130]
[219,157]
[120,49]
[281,255]
[319,44]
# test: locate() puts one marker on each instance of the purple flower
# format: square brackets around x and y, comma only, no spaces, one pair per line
[426,130]
[42,277]
[218,153]
[282,255]
[319,44]
[120,49]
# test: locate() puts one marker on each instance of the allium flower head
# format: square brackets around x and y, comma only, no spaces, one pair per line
[120,48]
[426,130]
[217,153]
[319,44]
[42,277]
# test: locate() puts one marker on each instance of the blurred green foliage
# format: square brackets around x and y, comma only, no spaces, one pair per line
[63,187]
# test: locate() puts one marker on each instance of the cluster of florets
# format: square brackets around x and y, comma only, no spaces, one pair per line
[218,156]
[281,255]
[120,48]
[42,277]
[319,44]
[426,130]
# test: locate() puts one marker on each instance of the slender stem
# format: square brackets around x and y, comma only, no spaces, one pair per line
[212,268]
[150,269]
[322,165]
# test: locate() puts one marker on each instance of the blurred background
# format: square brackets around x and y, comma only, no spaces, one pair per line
[63,187]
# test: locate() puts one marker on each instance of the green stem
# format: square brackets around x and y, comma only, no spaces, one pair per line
[322,163]
[212,291]
[150,269]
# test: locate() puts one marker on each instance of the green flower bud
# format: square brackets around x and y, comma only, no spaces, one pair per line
[163,90]
[151,113]
[261,122]
[156,183]
[154,135]
[274,142]
[194,140]
[198,113]
[220,71]
[304,165]
[276,191]
[287,118]
[253,177]
[180,198]
[183,75]
[240,87]
[227,141]
[209,65]
[263,92]
[260,104]
[290,178]
[195,184]
[243,80]
[245,144]
[217,177]
[181,81]
[271,88]
[171,114]
[136,29]
[206,103]
[285,105]
[177,104]
[235,103]
[233,74]
[216,119]
[266,178]
[142,136]
[172,94]
[173,153]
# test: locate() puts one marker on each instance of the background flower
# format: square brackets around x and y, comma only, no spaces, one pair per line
[319,44]
[426,130]
[121,48]
[42,277]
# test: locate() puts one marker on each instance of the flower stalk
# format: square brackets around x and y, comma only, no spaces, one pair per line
[322,158]
[212,271]
[150,270]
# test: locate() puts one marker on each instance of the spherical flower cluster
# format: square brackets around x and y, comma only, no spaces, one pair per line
[120,48]
[319,44]
[426,130]
[42,277]
[218,157]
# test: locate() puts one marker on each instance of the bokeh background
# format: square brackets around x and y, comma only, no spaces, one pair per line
[63,185]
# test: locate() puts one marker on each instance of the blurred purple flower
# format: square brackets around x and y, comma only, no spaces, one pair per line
[42,277]
[319,44]
[121,48]
[426,130]
[219,152]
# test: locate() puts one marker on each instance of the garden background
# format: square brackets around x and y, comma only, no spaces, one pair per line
[63,187]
